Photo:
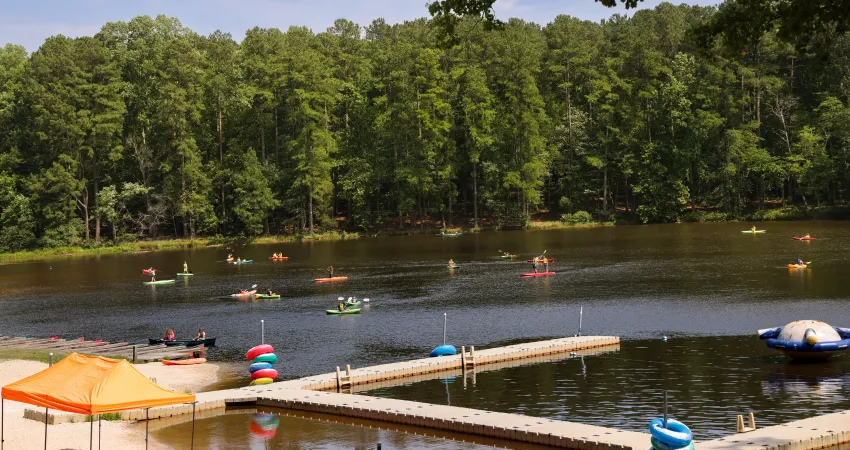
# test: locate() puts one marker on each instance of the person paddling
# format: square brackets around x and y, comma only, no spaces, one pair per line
[545,265]
[451,262]
[534,264]
[753,228]
[331,272]
[341,306]
[201,335]
[169,335]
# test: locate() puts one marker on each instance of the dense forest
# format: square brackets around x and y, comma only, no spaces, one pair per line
[148,129]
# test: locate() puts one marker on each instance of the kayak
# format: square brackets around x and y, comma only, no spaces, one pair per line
[184,362]
[453,267]
[804,238]
[508,256]
[331,279]
[797,266]
[754,232]
[449,234]
[160,282]
[538,274]
[244,294]
[343,312]
[267,297]
[282,258]
[540,261]
[185,274]
[352,304]
[247,261]
[146,271]
[230,259]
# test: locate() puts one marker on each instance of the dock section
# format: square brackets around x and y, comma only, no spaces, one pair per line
[131,351]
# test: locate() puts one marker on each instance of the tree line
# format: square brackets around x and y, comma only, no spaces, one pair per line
[148,129]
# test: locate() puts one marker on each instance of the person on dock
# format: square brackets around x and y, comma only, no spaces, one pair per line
[169,335]
[185,267]
[330,271]
[545,265]
[201,335]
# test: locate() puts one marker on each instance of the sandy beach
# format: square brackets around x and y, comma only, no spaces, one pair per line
[25,434]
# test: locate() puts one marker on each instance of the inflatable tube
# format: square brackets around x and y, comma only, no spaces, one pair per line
[676,435]
[805,347]
[258,350]
[843,332]
[444,350]
[259,366]
[264,373]
[266,358]
[261,381]
[658,445]
[769,333]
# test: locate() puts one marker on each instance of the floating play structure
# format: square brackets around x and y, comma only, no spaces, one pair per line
[807,339]
[445,349]
[262,358]
[673,435]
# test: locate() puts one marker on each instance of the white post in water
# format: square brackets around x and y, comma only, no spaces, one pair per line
[445,323]
[580,316]
[262,331]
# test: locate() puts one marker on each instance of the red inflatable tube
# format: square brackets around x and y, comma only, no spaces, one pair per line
[259,350]
[264,373]
[259,431]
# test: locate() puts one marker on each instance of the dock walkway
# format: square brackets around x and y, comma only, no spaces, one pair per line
[131,351]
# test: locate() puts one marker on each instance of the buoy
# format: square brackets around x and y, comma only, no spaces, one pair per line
[444,350]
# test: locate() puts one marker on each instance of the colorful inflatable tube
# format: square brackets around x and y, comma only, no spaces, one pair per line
[676,435]
[270,358]
[261,381]
[258,350]
[264,373]
[259,366]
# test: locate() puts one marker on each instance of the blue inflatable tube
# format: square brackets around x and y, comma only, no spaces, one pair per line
[259,366]
[677,435]
[444,350]
[805,347]
[657,445]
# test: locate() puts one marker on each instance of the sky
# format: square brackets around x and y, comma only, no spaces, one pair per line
[29,23]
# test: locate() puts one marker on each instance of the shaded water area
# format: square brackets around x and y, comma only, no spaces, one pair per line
[710,380]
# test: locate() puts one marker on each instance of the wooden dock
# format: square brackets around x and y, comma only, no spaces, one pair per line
[131,351]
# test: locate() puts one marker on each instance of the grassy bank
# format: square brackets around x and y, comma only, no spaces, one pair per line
[105,248]
[7,354]
[560,225]
[788,213]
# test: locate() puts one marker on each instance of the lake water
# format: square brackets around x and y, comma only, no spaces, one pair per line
[693,282]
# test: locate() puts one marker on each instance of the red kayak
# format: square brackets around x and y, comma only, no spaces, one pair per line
[540,261]
[538,274]
[803,238]
[329,280]
[146,271]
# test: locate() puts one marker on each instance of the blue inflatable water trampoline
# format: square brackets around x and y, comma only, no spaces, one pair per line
[807,339]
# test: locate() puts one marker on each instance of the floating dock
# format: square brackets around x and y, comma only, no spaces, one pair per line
[131,351]
[309,397]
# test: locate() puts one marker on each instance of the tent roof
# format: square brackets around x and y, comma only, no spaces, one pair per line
[92,385]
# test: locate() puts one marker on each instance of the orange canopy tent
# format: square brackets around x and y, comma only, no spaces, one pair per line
[92,385]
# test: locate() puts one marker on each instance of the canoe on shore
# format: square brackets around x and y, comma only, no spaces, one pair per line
[184,362]
[210,342]
[330,279]
[538,274]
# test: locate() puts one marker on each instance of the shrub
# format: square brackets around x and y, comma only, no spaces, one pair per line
[578,217]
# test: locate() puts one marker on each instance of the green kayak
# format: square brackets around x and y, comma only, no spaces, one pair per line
[449,234]
[267,297]
[352,304]
[343,312]
[754,232]
[248,261]
[453,267]
[160,282]
[185,274]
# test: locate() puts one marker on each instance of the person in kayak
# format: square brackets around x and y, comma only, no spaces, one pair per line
[799,262]
[185,267]
[201,335]
[545,265]
[807,236]
[269,293]
[451,262]
[341,306]
[330,270]
[169,335]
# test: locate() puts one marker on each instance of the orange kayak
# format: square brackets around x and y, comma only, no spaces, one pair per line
[328,280]
[184,362]
[282,258]
[804,238]
[797,266]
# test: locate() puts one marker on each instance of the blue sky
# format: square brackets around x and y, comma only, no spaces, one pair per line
[28,23]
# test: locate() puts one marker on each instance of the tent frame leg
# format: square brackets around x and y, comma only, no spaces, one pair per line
[91,432]
[45,428]
[193,425]
[147,421]
[98,432]
[2,418]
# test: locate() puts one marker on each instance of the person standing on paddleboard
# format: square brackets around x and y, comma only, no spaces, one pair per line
[545,265]
[534,264]
[330,271]
[153,275]
[185,267]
